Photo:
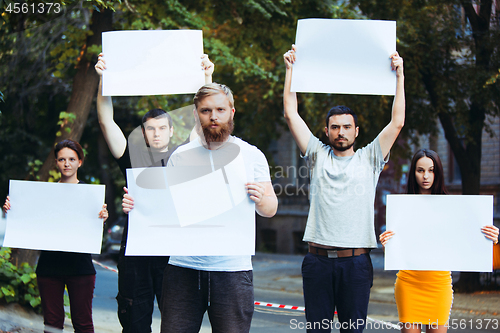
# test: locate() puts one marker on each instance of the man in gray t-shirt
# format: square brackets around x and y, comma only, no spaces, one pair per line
[337,272]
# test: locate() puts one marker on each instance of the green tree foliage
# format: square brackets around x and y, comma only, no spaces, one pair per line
[245,39]
[47,80]
[452,58]
[42,55]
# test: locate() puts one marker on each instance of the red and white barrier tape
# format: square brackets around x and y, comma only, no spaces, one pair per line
[271,305]
[301,308]
[281,306]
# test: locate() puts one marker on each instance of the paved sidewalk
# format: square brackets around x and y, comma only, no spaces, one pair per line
[282,273]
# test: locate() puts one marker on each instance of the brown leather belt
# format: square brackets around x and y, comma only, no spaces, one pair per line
[338,252]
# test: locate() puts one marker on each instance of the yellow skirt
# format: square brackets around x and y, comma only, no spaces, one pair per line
[424,297]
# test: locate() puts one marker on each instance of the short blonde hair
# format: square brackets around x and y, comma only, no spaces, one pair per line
[213,89]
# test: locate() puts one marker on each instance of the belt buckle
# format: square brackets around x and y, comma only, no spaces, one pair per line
[332,253]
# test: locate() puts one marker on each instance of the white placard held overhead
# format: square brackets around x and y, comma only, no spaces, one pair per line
[439,232]
[152,62]
[344,57]
[55,216]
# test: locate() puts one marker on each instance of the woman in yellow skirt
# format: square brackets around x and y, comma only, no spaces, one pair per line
[424,298]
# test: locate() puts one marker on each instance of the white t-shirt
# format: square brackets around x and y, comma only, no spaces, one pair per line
[257,169]
[342,195]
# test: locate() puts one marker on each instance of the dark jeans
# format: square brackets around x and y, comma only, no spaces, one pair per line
[80,291]
[342,283]
[188,293]
[139,281]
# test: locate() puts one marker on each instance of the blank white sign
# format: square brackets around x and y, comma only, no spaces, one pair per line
[152,62]
[439,232]
[215,220]
[55,216]
[344,56]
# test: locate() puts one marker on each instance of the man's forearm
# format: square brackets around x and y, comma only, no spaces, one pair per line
[208,79]
[399,104]
[289,98]
[112,133]
[104,107]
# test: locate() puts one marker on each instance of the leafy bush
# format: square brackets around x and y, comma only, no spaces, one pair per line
[18,284]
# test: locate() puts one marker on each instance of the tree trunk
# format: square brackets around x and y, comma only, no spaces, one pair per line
[471,168]
[468,155]
[18,256]
[471,182]
[469,281]
[84,89]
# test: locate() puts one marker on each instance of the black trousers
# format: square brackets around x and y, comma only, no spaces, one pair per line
[336,283]
[227,297]
[139,281]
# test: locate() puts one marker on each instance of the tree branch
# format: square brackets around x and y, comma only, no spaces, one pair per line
[470,13]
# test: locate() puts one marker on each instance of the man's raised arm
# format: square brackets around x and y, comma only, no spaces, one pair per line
[112,133]
[296,124]
[390,133]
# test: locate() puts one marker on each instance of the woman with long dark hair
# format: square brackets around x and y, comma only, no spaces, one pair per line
[58,270]
[425,297]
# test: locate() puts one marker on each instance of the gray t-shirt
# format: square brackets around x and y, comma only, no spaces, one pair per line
[342,195]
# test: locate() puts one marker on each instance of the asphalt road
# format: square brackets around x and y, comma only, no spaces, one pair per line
[277,280]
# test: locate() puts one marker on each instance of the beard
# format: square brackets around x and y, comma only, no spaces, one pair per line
[219,134]
[341,145]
